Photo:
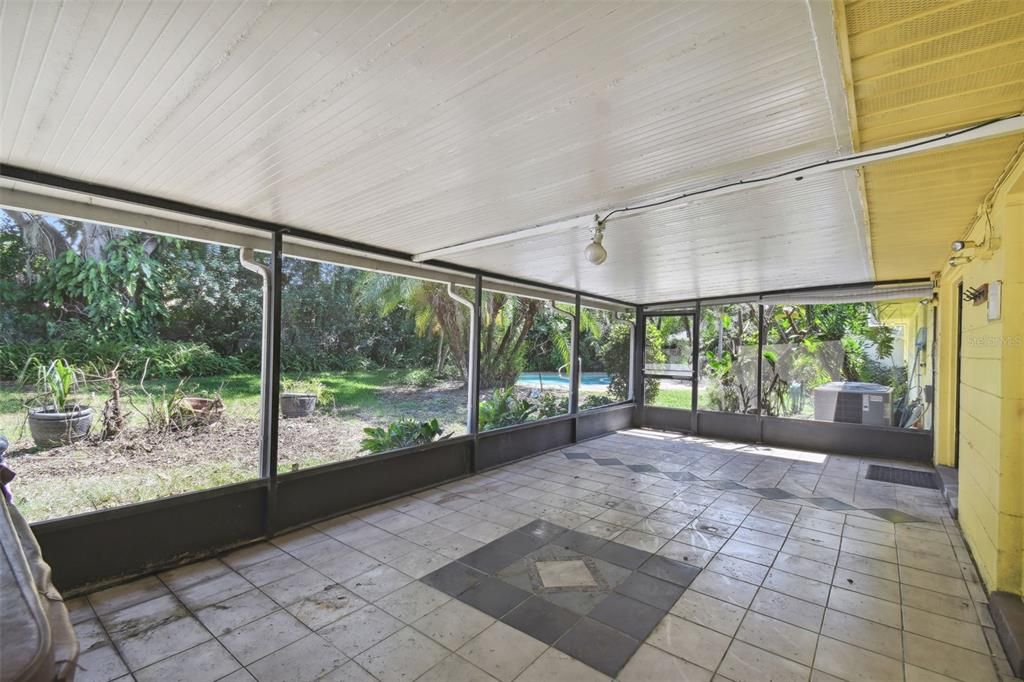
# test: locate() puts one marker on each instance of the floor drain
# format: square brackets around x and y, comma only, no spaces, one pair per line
[918,479]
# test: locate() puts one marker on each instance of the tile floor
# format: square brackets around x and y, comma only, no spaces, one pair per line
[640,555]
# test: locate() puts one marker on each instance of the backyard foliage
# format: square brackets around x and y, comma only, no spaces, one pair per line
[404,433]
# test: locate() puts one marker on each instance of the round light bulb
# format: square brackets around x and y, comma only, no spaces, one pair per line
[595,253]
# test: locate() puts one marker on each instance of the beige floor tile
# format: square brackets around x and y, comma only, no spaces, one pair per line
[186,576]
[272,569]
[252,554]
[378,582]
[797,586]
[745,663]
[952,631]
[713,613]
[865,606]
[233,613]
[357,632]
[695,643]
[804,567]
[687,553]
[298,586]
[405,655]
[933,581]
[101,664]
[788,609]
[214,590]
[601,529]
[420,562]
[650,664]
[869,549]
[814,537]
[752,536]
[555,666]
[412,602]
[642,541]
[136,619]
[240,675]
[852,663]
[502,651]
[740,569]
[915,674]
[700,539]
[810,551]
[952,661]
[881,588]
[866,634]
[788,641]
[725,588]
[261,637]
[869,566]
[306,660]
[325,607]
[162,641]
[453,624]
[129,594]
[90,635]
[749,552]
[455,668]
[868,535]
[203,663]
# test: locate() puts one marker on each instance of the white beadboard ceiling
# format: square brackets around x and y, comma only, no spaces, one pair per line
[417,125]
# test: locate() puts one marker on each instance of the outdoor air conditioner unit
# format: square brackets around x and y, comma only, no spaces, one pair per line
[853,402]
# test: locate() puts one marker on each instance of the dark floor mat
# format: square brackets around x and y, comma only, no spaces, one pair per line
[918,479]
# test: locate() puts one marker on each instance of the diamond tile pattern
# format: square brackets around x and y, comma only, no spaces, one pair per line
[572,577]
[756,564]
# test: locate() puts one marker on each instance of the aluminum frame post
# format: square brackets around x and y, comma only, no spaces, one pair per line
[760,358]
[474,360]
[577,361]
[638,351]
[695,369]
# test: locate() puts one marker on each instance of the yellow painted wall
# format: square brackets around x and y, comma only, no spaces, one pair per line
[992,394]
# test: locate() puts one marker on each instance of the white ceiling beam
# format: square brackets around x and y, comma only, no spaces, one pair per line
[1006,126]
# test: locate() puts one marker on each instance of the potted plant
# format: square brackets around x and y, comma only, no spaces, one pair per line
[299,397]
[193,410]
[61,420]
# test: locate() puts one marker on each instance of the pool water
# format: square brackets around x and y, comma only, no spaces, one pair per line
[551,379]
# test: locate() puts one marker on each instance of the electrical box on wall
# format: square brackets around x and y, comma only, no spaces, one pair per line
[995,295]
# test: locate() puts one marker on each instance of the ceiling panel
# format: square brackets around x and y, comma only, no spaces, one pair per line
[416,125]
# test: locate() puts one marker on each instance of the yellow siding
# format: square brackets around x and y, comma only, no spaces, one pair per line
[992,394]
[917,68]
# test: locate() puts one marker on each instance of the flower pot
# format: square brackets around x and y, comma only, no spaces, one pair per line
[195,411]
[297,404]
[51,428]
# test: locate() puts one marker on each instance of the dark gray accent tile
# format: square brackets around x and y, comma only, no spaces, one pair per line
[454,578]
[894,515]
[831,503]
[579,542]
[494,597]
[541,619]
[607,461]
[621,555]
[725,485]
[651,591]
[671,570]
[641,468]
[680,475]
[773,493]
[599,646]
[577,601]
[576,454]
[490,559]
[627,615]
[515,543]
[545,530]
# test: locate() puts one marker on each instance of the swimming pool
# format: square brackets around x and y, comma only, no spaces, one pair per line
[588,380]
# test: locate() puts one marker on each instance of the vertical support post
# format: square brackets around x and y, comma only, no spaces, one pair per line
[575,360]
[695,370]
[474,361]
[270,385]
[760,363]
[636,384]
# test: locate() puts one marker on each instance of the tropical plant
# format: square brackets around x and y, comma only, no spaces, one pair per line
[401,434]
[57,383]
[615,355]
[596,400]
[503,408]
[551,405]
[313,387]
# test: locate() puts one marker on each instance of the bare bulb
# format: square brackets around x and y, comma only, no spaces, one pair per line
[595,253]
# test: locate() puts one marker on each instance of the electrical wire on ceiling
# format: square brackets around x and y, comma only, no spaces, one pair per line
[820,164]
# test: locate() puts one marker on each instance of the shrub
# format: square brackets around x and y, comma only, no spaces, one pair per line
[503,408]
[401,434]
[614,354]
[597,400]
[421,378]
[551,405]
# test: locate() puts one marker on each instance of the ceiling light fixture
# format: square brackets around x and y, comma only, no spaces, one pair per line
[960,245]
[595,251]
